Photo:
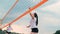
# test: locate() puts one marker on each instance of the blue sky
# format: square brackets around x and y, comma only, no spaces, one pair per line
[49,14]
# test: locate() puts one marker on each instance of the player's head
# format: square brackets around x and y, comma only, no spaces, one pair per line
[35,15]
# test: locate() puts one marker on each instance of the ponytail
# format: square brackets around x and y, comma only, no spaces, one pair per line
[36,16]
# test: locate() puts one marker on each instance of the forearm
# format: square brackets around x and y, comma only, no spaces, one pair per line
[31,15]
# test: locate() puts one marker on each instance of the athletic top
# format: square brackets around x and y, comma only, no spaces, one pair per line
[9,29]
[33,23]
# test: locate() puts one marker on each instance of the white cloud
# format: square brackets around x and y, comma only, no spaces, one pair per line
[49,19]
[53,8]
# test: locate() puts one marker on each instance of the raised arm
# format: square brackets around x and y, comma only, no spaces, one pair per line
[32,16]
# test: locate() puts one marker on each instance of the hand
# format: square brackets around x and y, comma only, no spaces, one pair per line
[28,26]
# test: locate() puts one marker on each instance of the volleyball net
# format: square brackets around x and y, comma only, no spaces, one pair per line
[18,9]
